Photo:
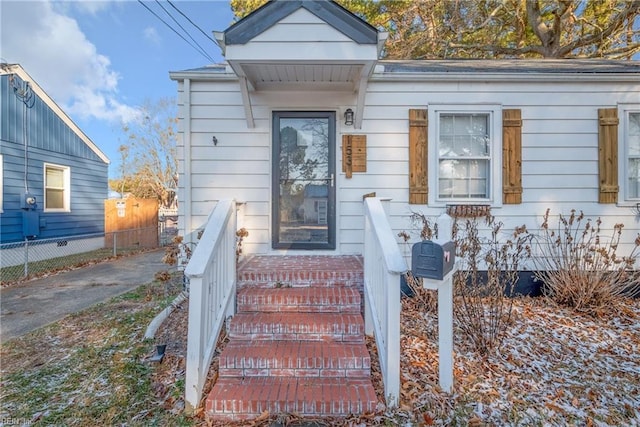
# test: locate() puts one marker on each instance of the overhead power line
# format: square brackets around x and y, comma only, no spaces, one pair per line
[198,48]
[183,29]
[193,23]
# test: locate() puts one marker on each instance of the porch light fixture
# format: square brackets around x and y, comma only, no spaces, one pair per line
[348,117]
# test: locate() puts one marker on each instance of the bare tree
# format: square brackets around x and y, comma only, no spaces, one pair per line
[149,157]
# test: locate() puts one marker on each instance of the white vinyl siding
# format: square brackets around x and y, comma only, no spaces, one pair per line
[559,150]
[57,190]
[301,36]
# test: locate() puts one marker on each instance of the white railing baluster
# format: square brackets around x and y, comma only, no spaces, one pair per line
[383,265]
[212,287]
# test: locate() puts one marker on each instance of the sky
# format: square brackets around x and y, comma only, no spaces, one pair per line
[101,60]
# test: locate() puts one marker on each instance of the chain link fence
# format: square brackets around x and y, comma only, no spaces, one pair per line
[33,258]
[168,225]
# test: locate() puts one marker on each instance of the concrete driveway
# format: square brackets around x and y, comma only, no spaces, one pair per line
[31,305]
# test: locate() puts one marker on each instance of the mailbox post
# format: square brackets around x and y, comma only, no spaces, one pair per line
[433,261]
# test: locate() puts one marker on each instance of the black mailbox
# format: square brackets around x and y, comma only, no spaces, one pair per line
[432,260]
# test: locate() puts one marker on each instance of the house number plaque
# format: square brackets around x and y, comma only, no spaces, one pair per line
[354,154]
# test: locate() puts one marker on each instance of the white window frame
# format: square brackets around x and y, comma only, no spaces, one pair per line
[66,197]
[624,111]
[494,111]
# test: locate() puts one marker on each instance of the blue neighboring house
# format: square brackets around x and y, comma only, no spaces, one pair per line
[54,179]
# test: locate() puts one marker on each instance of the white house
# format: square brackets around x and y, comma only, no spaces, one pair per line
[303,103]
[519,136]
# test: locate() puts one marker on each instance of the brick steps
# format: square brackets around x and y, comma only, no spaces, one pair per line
[302,271]
[303,299]
[295,359]
[296,343]
[241,399]
[298,326]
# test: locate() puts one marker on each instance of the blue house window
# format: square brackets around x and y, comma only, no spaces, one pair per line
[56,188]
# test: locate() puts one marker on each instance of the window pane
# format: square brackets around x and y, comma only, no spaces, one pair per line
[634,178]
[462,125]
[55,178]
[55,199]
[479,124]
[479,145]
[464,150]
[634,134]
[304,148]
[464,135]
[446,146]
[446,125]
[463,179]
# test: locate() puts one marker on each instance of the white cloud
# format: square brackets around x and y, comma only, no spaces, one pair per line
[151,34]
[91,6]
[52,48]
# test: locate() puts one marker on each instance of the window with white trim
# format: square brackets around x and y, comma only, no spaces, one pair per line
[466,153]
[631,136]
[57,188]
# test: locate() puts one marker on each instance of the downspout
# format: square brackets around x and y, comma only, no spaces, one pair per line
[186,140]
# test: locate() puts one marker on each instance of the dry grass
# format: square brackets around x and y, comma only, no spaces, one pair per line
[89,368]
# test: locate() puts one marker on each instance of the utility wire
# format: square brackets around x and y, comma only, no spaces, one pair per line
[193,23]
[183,29]
[203,53]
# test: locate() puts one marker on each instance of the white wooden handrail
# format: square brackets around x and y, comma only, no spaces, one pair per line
[212,289]
[383,265]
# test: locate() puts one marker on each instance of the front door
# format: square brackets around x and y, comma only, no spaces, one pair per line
[303,180]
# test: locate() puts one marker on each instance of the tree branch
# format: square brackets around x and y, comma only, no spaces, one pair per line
[502,50]
[631,10]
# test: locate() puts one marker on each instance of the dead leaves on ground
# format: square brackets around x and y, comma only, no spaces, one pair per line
[555,366]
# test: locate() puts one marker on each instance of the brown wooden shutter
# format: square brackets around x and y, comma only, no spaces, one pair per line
[511,157]
[418,185]
[608,154]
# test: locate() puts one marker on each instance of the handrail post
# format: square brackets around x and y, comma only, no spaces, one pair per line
[383,265]
[212,275]
[194,346]
[392,375]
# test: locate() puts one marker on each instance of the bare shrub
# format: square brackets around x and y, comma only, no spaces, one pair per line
[481,306]
[428,228]
[580,268]
[424,299]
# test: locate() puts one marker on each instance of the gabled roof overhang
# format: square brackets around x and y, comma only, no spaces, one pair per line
[25,77]
[262,63]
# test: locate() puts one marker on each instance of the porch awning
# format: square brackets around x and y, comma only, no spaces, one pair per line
[286,76]
[302,45]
